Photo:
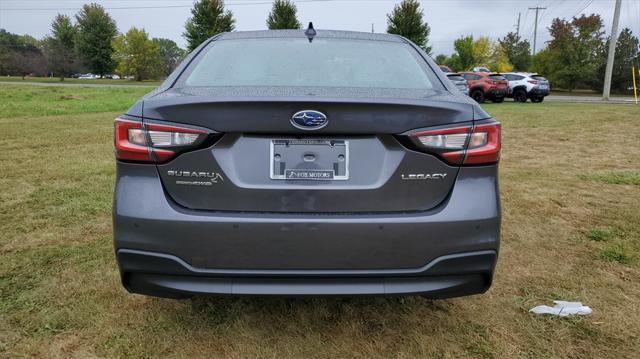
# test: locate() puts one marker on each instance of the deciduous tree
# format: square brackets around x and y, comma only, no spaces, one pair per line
[60,47]
[481,51]
[574,53]
[20,55]
[406,20]
[170,54]
[518,51]
[137,55]
[498,60]
[463,59]
[283,16]
[208,19]
[96,31]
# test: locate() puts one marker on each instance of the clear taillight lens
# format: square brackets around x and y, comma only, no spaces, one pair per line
[152,142]
[172,139]
[452,141]
[472,145]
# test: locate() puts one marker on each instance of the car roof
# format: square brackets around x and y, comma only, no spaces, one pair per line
[523,73]
[481,73]
[320,34]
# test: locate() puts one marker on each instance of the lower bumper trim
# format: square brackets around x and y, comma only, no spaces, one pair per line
[448,276]
[186,286]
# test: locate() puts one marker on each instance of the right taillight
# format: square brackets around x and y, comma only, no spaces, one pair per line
[477,144]
[484,144]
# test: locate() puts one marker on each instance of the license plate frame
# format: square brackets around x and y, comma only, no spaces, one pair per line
[330,151]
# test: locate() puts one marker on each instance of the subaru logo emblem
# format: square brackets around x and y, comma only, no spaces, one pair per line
[309,120]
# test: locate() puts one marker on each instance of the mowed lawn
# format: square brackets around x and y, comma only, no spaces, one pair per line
[570,183]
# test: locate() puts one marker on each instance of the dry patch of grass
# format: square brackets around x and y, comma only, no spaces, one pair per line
[565,236]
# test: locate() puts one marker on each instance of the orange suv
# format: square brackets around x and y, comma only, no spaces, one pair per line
[486,85]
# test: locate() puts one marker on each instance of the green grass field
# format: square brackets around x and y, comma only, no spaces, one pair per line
[55,80]
[570,177]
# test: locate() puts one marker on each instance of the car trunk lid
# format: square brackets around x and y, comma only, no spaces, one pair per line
[263,163]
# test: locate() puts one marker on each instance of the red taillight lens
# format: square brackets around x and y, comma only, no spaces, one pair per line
[469,145]
[152,142]
[484,144]
[126,147]
[535,82]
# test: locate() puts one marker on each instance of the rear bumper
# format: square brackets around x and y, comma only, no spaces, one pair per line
[536,92]
[166,250]
[164,275]
[494,92]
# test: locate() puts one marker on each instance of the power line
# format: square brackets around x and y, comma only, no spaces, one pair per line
[583,9]
[244,3]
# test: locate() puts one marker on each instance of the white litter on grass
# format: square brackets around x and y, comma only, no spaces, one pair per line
[562,309]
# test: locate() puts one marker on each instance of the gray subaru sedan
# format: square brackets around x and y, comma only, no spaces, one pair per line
[296,163]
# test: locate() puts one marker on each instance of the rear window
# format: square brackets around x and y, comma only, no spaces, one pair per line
[497,77]
[298,63]
[455,77]
[538,77]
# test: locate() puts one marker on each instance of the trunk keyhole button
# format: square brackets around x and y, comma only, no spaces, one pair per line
[308,157]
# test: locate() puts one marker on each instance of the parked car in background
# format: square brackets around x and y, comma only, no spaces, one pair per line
[445,68]
[244,182]
[486,85]
[459,82]
[88,76]
[523,86]
[480,69]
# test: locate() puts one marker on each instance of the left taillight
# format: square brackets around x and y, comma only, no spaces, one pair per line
[152,142]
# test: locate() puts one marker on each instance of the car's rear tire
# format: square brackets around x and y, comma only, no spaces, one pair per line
[497,99]
[478,96]
[537,99]
[520,95]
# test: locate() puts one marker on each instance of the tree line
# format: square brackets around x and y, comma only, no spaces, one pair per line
[575,56]
[90,43]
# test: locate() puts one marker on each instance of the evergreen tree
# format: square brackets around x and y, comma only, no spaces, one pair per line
[209,18]
[96,31]
[407,20]
[626,57]
[283,16]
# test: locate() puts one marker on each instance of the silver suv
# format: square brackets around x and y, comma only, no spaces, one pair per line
[459,82]
[524,85]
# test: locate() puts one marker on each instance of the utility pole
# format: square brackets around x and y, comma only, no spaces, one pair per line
[612,51]
[518,26]
[372,28]
[535,26]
